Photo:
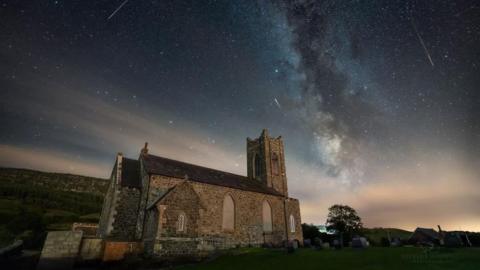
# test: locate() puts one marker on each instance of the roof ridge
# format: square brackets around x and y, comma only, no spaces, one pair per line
[179,169]
[195,165]
[131,159]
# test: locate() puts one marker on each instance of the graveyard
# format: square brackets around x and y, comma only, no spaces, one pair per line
[347,258]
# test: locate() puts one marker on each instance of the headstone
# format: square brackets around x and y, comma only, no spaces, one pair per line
[60,250]
[317,241]
[295,244]
[307,243]
[337,244]
[359,242]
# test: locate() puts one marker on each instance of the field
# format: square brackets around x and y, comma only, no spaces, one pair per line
[371,258]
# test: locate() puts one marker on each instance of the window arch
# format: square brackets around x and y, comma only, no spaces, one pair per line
[181,223]
[228,217]
[267,216]
[257,166]
[292,224]
[275,164]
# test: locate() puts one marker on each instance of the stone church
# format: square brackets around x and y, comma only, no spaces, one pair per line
[164,207]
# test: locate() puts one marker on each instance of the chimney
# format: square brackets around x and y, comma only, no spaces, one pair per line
[144,150]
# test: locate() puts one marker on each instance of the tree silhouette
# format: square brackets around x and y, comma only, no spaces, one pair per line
[344,220]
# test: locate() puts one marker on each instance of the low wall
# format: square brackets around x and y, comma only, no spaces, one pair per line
[91,249]
[189,247]
[169,248]
[115,251]
[60,250]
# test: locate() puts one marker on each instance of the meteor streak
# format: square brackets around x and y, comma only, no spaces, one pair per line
[116,10]
[421,42]
[278,103]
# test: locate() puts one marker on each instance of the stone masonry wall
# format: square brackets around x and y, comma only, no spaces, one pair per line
[150,230]
[141,219]
[248,213]
[181,200]
[125,218]
[293,208]
[106,208]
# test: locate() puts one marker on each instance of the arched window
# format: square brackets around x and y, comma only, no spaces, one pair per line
[181,223]
[258,166]
[275,164]
[292,224]
[228,217]
[267,217]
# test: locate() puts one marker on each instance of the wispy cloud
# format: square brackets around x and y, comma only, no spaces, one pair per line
[100,127]
[444,193]
[50,161]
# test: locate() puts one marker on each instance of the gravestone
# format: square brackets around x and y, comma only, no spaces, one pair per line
[60,250]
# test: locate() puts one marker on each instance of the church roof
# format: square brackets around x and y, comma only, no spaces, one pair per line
[173,168]
[131,173]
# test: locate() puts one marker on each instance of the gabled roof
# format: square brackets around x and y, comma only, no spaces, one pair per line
[173,168]
[427,232]
[131,173]
[160,197]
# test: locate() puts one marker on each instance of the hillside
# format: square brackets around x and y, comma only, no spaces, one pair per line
[375,235]
[32,202]
[56,181]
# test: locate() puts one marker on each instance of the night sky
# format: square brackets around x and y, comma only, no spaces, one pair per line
[378,102]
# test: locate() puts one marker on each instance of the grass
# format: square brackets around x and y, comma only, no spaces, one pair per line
[371,258]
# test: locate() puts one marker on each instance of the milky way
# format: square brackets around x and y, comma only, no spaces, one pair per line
[377,101]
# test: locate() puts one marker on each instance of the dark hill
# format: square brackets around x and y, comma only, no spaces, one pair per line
[56,181]
[32,202]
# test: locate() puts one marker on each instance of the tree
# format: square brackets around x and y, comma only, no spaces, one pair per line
[310,231]
[344,220]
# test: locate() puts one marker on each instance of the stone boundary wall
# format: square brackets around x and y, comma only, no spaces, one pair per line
[60,250]
[91,249]
[88,229]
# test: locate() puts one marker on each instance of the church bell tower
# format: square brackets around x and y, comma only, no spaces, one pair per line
[266,162]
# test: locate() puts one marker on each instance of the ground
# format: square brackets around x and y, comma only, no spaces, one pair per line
[372,258]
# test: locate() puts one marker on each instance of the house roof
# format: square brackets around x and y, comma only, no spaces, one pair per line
[131,173]
[428,232]
[173,168]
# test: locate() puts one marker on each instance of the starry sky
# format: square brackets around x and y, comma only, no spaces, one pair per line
[377,101]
